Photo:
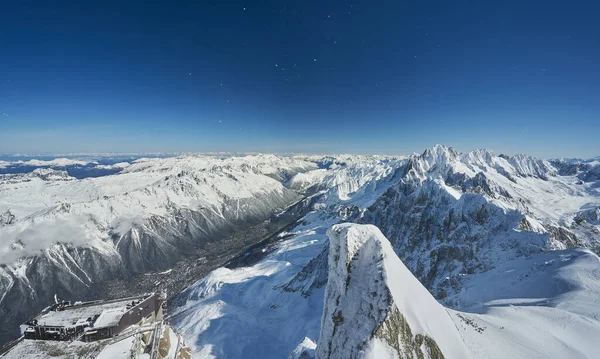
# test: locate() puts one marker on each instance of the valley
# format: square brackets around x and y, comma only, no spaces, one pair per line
[243,248]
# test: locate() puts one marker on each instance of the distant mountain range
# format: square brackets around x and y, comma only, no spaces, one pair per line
[438,254]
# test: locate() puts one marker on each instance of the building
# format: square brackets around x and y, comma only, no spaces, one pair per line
[91,321]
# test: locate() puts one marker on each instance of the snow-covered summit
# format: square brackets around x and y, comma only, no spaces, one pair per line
[440,160]
[375,308]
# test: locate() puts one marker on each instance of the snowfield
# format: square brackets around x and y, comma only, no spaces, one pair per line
[247,312]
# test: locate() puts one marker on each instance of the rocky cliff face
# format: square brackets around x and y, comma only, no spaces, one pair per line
[544,305]
[585,170]
[7,218]
[452,214]
[375,308]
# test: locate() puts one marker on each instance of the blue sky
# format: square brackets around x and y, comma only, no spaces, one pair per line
[300,76]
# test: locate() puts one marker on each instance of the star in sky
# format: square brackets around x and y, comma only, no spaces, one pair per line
[484,60]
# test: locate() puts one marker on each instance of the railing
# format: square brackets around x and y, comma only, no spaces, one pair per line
[156,341]
[78,337]
[128,334]
[8,346]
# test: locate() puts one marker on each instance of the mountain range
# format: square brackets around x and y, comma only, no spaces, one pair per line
[438,254]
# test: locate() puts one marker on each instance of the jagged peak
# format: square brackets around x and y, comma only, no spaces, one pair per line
[441,152]
[528,166]
[519,165]
[304,350]
[372,301]
[433,162]
[481,155]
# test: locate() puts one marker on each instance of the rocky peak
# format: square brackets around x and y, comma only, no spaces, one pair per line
[479,157]
[375,308]
[7,218]
[527,166]
[49,174]
[440,155]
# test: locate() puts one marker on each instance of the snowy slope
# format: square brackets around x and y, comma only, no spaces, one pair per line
[375,308]
[63,235]
[544,306]
[273,308]
[449,216]
[247,312]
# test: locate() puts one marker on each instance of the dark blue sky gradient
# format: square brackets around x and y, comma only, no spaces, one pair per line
[300,76]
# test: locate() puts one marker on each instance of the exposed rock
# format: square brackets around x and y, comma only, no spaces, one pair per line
[372,300]
[7,218]
[304,350]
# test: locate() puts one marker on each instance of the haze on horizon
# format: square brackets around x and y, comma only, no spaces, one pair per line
[300,76]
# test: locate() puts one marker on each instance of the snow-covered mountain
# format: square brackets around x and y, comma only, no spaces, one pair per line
[586,170]
[453,214]
[75,167]
[62,235]
[375,308]
[542,306]
[456,220]
[486,239]
[271,307]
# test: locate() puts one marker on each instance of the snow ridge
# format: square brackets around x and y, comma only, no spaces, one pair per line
[374,306]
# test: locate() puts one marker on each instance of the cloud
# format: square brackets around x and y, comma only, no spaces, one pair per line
[58,162]
[17,242]
[120,165]
[123,224]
